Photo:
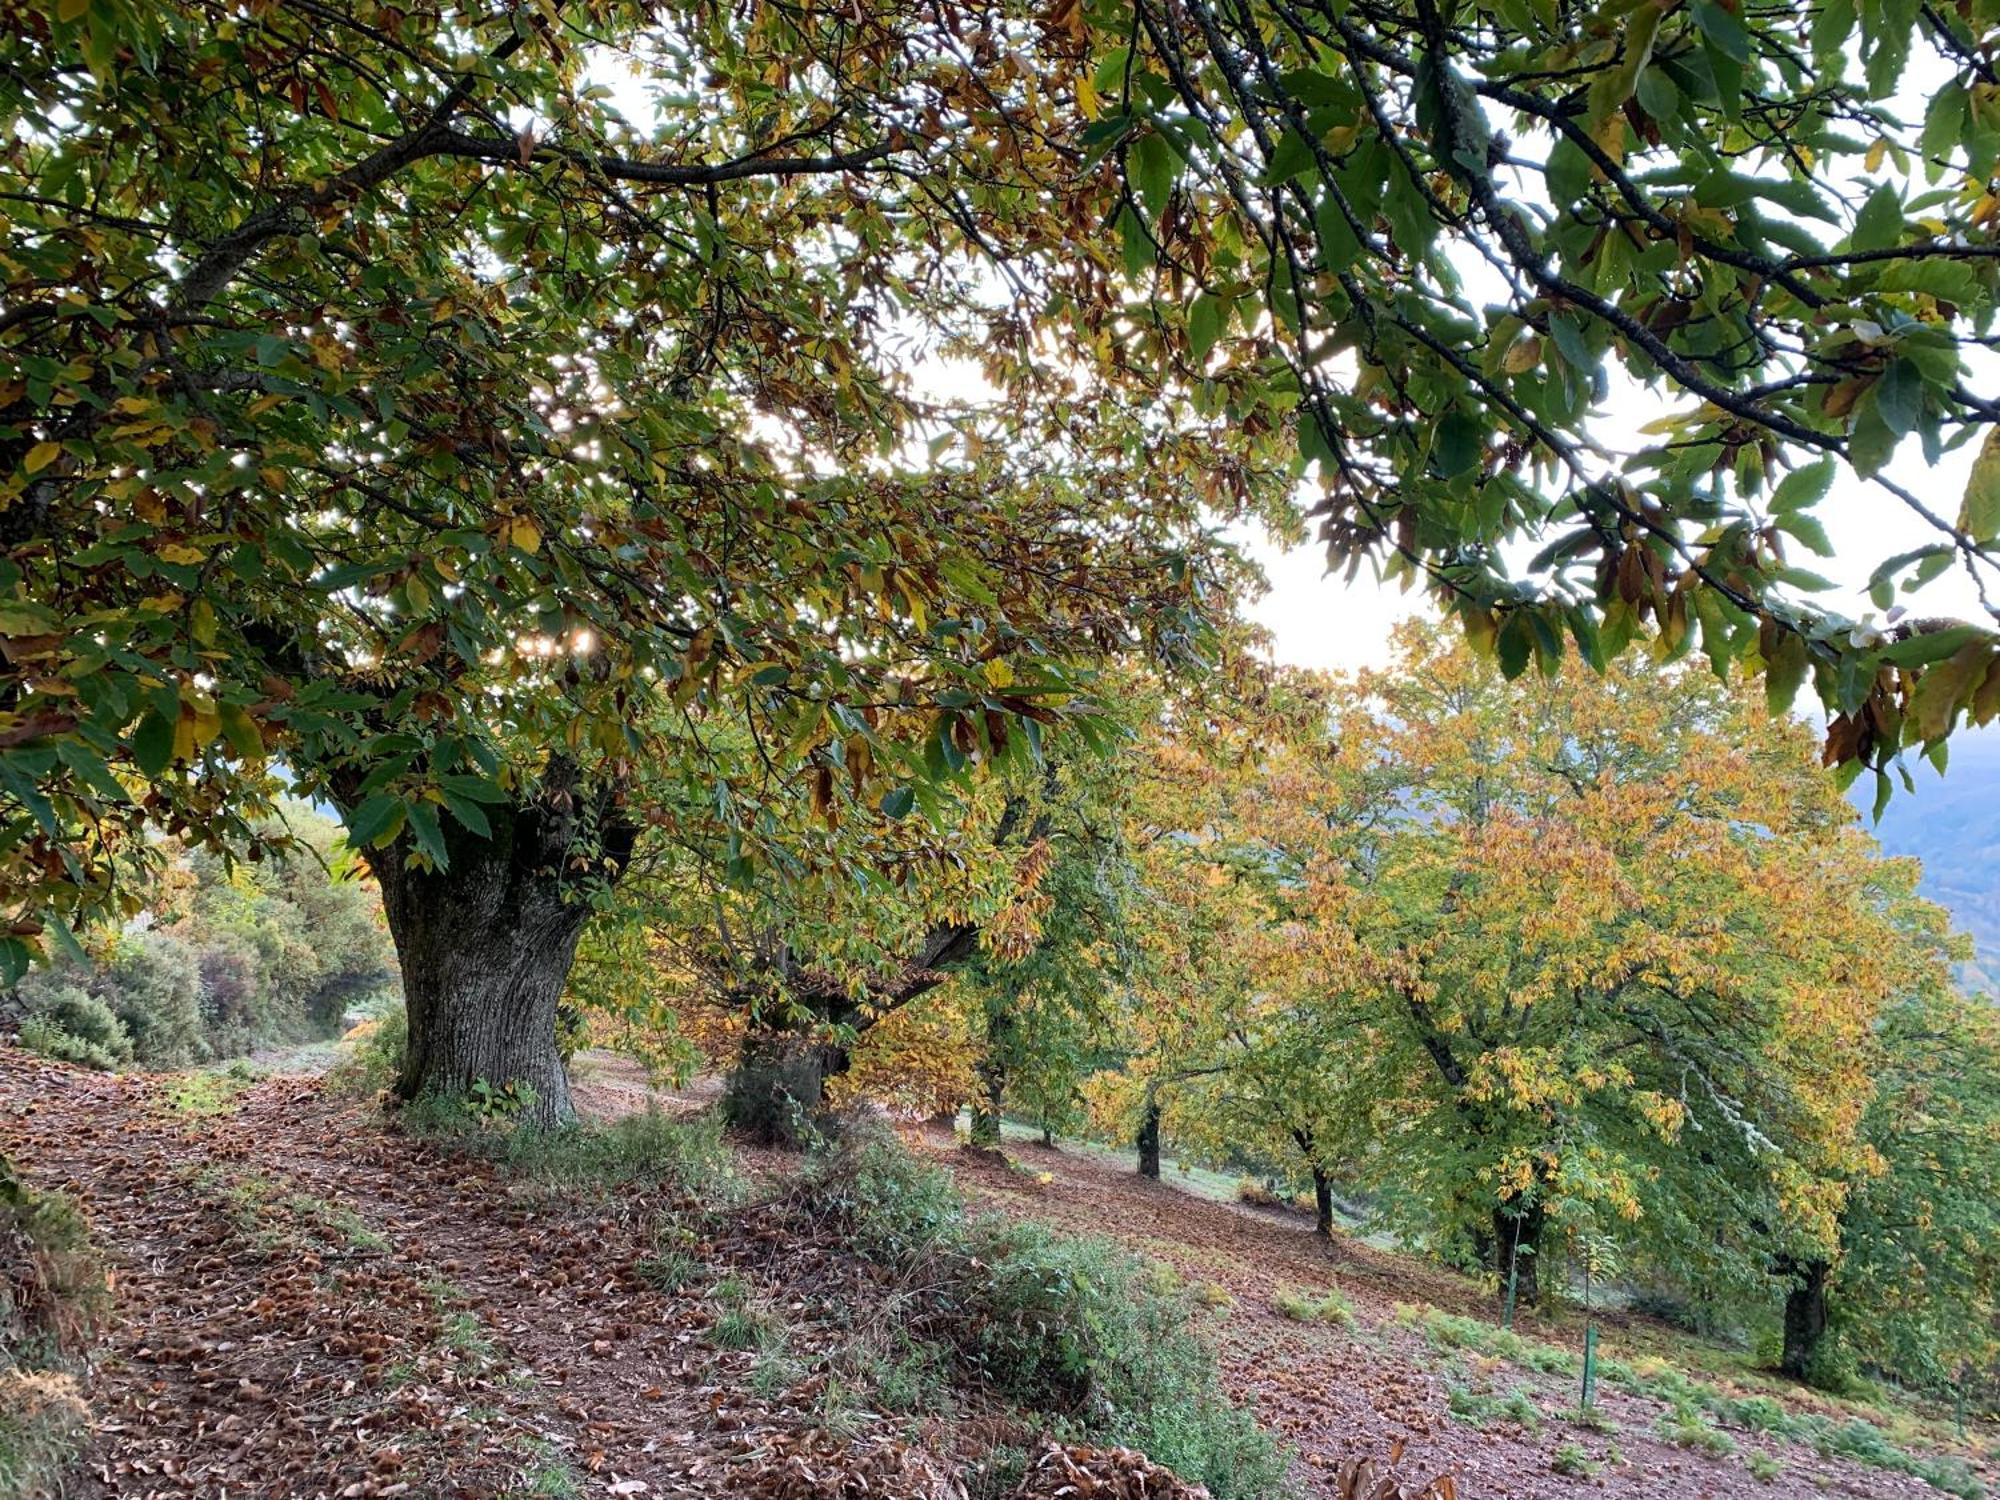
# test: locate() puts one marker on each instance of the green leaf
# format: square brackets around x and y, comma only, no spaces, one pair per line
[1808,530]
[89,767]
[1804,486]
[1291,157]
[1154,166]
[375,822]
[897,802]
[1136,244]
[1979,512]
[1899,396]
[1784,672]
[1204,326]
[1724,28]
[1515,644]
[429,836]
[241,731]
[153,744]
[1932,645]
[1880,223]
[469,815]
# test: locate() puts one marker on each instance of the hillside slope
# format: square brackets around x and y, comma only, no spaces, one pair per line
[313,1304]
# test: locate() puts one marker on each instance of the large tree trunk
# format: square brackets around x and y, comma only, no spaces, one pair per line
[1322,1203]
[1517,1244]
[486,943]
[991,1070]
[778,1087]
[1149,1142]
[986,1110]
[1805,1316]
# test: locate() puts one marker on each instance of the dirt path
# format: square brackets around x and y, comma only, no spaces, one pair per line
[309,1305]
[1380,1387]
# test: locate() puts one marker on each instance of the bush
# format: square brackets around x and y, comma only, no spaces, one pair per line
[40,1034]
[69,1022]
[373,1054]
[1571,1459]
[153,983]
[1073,1329]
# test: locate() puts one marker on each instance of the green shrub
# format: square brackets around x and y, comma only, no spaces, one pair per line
[1065,1327]
[373,1054]
[1477,1408]
[85,1022]
[668,1271]
[1692,1430]
[1571,1459]
[40,1034]
[1763,1467]
[1329,1306]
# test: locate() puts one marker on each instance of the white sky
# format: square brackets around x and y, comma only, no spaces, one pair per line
[1326,622]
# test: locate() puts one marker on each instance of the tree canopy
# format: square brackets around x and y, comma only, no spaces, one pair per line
[1456,240]
[411,395]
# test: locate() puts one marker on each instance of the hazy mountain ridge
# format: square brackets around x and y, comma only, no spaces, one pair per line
[1952,824]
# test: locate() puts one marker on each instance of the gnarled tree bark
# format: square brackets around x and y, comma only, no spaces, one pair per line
[486,943]
[1805,1316]
[1149,1141]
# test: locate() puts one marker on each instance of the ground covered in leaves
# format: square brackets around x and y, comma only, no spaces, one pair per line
[310,1303]
[1347,1351]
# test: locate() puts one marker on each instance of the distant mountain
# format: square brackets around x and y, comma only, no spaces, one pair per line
[1952,824]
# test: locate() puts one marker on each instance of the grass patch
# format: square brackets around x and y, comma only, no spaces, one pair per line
[1595,1418]
[1571,1459]
[1073,1331]
[746,1327]
[1692,1430]
[1697,1410]
[1330,1306]
[53,1294]
[1449,1331]
[548,1475]
[209,1092]
[1479,1408]
[655,1152]
[43,1425]
[1763,1467]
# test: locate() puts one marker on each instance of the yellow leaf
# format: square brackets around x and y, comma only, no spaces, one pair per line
[177,552]
[71,10]
[41,456]
[998,673]
[522,532]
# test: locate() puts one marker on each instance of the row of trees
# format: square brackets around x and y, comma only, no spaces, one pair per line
[1576,968]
